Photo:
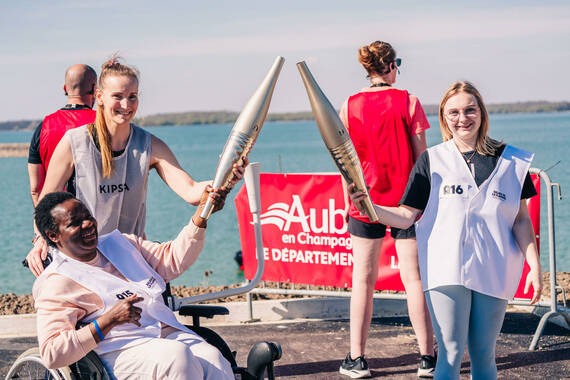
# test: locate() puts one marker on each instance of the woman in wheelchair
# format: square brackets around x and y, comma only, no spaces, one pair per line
[105,295]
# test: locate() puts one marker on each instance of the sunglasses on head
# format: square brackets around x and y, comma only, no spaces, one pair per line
[397,62]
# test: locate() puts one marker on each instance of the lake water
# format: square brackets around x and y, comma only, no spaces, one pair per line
[281,147]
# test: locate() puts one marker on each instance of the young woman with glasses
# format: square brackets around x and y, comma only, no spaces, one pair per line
[387,128]
[474,232]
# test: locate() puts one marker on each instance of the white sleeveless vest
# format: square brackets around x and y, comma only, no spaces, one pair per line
[142,280]
[465,233]
[118,202]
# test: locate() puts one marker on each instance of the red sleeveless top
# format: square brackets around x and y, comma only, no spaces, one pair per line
[380,128]
[55,125]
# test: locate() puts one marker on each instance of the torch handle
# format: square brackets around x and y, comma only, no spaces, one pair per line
[369,209]
[207,210]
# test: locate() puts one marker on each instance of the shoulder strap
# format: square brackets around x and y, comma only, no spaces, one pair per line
[129,261]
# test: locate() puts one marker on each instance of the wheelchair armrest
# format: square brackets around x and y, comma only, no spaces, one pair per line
[197,311]
[207,311]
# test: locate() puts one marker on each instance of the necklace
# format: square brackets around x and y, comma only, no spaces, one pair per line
[77,106]
[468,159]
[380,84]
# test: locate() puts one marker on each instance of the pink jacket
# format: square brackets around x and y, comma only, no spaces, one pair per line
[61,302]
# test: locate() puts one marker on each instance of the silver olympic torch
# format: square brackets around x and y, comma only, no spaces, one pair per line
[245,131]
[336,138]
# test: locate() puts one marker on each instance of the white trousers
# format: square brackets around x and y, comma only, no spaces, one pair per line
[178,355]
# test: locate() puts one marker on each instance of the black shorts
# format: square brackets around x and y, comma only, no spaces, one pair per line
[377,230]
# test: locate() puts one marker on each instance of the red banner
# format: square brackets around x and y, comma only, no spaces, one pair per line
[304,234]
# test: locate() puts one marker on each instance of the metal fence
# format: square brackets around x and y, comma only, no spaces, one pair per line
[555,309]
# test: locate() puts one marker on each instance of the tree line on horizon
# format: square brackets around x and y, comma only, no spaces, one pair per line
[228,117]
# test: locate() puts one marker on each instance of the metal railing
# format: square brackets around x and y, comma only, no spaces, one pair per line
[250,286]
[555,309]
[251,178]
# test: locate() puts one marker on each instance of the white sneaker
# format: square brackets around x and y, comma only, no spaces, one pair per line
[355,368]
[427,366]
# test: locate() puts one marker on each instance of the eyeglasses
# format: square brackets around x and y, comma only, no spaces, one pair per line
[470,112]
[398,61]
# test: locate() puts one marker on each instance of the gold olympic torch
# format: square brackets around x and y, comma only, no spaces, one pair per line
[336,138]
[245,131]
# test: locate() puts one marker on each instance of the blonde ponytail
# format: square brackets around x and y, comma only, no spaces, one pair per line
[99,129]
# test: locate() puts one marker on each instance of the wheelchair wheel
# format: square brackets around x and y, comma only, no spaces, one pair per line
[89,367]
[215,340]
[29,366]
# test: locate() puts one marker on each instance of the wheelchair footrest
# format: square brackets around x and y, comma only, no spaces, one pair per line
[207,311]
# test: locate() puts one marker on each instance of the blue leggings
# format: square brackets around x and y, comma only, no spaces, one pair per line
[460,317]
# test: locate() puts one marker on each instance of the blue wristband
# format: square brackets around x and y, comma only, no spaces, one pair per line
[99,332]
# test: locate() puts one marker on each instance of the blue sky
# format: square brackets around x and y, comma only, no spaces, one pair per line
[196,56]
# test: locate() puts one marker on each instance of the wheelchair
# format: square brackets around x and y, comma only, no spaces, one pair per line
[260,359]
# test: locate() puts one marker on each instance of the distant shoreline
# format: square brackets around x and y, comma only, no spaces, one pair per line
[14,150]
[225,117]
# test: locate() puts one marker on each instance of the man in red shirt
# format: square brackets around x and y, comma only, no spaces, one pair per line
[79,88]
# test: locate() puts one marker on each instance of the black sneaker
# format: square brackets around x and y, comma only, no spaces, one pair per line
[355,368]
[427,366]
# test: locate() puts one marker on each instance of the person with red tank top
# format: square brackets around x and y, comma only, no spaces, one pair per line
[79,88]
[387,127]
[55,125]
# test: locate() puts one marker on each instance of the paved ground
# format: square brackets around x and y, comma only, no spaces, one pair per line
[313,350]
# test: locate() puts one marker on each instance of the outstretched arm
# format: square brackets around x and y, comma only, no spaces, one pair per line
[163,160]
[167,166]
[170,259]
[400,217]
[524,236]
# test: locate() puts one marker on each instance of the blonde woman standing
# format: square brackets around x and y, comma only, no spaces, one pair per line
[474,232]
[110,161]
[387,127]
